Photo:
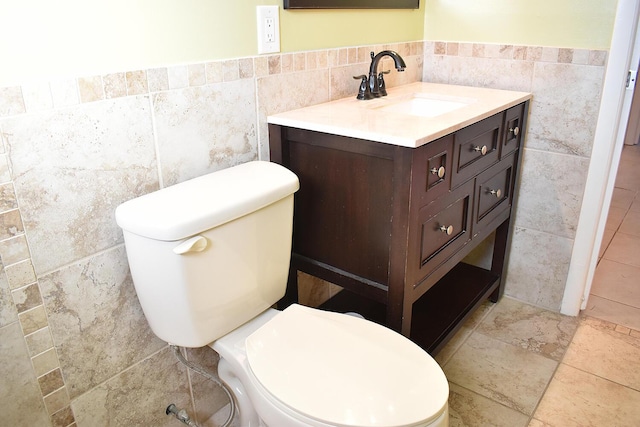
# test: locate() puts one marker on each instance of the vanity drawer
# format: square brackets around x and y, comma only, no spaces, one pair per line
[432,170]
[442,227]
[493,192]
[476,147]
[512,129]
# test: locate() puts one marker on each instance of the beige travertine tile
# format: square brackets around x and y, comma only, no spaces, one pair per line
[20,274]
[89,159]
[5,173]
[445,354]
[624,248]
[613,311]
[230,70]
[137,82]
[599,349]
[563,116]
[204,129]
[37,96]
[115,85]
[33,320]
[93,311]
[157,79]
[57,400]
[197,74]
[39,342]
[51,382]
[576,398]
[45,362]
[531,328]
[11,101]
[469,409]
[501,372]
[178,77]
[14,250]
[492,73]
[8,311]
[617,282]
[538,267]
[213,72]
[63,417]
[553,184]
[150,386]
[64,92]
[7,198]
[11,224]
[91,89]
[27,297]
[303,89]
[18,385]
[246,68]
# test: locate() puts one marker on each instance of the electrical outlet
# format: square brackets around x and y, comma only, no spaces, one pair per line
[268,29]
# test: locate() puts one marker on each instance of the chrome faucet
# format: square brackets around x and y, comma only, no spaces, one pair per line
[373,86]
[376,79]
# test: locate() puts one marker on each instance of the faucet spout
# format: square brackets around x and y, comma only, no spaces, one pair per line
[374,85]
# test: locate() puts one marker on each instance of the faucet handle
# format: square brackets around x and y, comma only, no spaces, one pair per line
[364,92]
[381,84]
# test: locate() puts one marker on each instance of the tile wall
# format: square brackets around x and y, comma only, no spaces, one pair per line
[566,86]
[74,344]
[75,348]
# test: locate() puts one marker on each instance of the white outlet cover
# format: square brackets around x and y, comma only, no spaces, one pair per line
[268,19]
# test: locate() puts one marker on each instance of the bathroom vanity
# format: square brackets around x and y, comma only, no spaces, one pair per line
[395,192]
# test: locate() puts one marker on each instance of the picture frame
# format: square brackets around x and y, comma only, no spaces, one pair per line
[351,4]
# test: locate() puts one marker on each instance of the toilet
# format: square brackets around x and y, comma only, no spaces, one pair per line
[209,257]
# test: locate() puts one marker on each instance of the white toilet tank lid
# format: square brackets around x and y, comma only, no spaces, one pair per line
[346,371]
[202,203]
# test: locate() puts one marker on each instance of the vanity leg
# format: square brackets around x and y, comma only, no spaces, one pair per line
[499,260]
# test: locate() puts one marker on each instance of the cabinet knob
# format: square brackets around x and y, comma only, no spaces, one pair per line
[497,193]
[482,150]
[439,171]
[515,131]
[447,230]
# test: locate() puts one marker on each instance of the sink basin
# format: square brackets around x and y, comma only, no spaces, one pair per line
[426,105]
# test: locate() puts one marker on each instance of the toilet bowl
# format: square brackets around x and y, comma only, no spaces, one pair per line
[308,367]
[210,256]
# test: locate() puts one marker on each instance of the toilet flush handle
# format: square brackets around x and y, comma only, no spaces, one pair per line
[194,244]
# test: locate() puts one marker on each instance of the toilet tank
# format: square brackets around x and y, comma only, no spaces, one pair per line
[211,253]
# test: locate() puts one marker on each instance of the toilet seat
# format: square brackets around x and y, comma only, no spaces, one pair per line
[378,378]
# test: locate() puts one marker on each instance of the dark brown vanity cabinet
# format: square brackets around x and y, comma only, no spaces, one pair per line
[391,224]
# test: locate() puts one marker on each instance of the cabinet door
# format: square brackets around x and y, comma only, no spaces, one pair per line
[439,231]
[432,170]
[476,147]
[494,193]
[512,129]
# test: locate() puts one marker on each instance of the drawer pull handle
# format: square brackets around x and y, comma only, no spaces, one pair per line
[440,171]
[482,150]
[497,193]
[447,230]
[515,131]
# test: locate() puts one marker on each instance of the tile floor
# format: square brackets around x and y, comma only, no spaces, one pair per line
[615,293]
[513,364]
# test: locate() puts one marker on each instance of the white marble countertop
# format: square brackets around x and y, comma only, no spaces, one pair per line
[382,119]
